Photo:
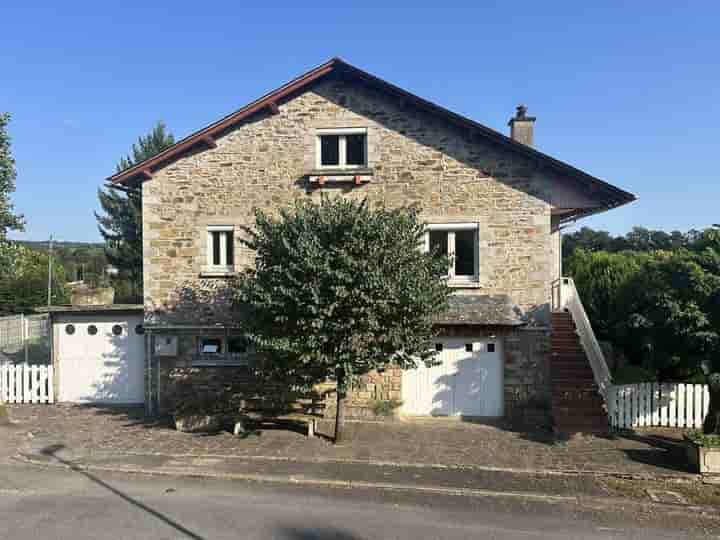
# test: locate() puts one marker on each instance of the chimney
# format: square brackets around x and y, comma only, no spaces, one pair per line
[521,126]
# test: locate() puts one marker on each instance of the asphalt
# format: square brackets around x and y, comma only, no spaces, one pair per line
[586,490]
[66,503]
[328,473]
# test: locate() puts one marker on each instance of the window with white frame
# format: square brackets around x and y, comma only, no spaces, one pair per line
[341,148]
[460,243]
[221,248]
[227,351]
[210,345]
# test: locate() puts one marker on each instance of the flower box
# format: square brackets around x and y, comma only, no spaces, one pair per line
[705,459]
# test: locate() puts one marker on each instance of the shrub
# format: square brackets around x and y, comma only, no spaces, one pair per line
[385,407]
[702,439]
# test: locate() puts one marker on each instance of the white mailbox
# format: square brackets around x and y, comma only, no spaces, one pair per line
[166,346]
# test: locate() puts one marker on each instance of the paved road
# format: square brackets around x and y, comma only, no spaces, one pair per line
[61,504]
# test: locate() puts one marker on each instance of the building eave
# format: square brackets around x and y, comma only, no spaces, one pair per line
[607,195]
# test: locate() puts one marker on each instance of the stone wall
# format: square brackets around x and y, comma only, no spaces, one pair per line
[417,159]
[528,390]
[384,386]
[377,386]
[526,378]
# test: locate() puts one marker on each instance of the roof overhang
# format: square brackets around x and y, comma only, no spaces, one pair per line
[607,195]
[110,308]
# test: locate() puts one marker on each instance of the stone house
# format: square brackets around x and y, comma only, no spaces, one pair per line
[492,201]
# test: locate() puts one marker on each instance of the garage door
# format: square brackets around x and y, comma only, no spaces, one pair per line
[100,360]
[467,382]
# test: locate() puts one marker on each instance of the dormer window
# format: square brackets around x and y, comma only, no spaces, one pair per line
[341,148]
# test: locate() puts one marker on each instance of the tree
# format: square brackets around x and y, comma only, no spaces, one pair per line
[24,278]
[604,281]
[9,221]
[638,239]
[661,307]
[340,289]
[121,224]
[587,239]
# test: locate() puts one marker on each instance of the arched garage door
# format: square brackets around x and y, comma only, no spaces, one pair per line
[467,382]
[100,358]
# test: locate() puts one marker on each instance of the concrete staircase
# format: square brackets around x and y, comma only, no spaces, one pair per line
[577,405]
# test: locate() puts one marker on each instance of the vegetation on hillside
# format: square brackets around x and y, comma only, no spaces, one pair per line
[24,279]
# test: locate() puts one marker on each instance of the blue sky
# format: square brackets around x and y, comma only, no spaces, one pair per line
[627,91]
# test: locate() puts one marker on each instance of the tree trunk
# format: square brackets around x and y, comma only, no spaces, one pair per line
[340,407]
[711,425]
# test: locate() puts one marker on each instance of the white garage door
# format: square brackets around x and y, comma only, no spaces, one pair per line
[100,360]
[467,382]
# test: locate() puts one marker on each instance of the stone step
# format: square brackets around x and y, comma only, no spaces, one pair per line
[560,399]
[567,350]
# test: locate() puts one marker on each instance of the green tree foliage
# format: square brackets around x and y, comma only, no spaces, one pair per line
[120,224]
[605,281]
[9,221]
[24,278]
[340,289]
[639,239]
[660,307]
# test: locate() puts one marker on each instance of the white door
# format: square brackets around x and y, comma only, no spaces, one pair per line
[101,360]
[467,382]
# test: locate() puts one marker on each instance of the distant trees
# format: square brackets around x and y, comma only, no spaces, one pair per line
[120,224]
[24,279]
[639,239]
[9,221]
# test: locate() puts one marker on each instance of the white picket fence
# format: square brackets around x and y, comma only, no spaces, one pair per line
[26,384]
[658,405]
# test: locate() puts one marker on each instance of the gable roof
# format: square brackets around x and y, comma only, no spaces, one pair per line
[607,195]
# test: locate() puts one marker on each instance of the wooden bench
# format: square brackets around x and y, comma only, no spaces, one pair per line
[260,411]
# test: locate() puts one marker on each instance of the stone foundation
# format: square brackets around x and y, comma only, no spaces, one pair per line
[528,396]
[378,394]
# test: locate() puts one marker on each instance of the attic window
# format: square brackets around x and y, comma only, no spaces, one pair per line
[341,148]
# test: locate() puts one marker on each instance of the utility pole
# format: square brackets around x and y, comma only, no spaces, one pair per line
[50,253]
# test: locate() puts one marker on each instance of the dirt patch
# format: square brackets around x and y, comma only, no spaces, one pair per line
[4,416]
[694,492]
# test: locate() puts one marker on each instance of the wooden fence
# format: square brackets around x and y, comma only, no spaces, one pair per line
[658,405]
[26,384]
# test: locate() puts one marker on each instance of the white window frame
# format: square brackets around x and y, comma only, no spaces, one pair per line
[342,147]
[220,350]
[223,266]
[451,229]
[223,357]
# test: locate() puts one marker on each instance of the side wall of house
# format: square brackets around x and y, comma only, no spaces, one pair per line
[417,159]
[526,377]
